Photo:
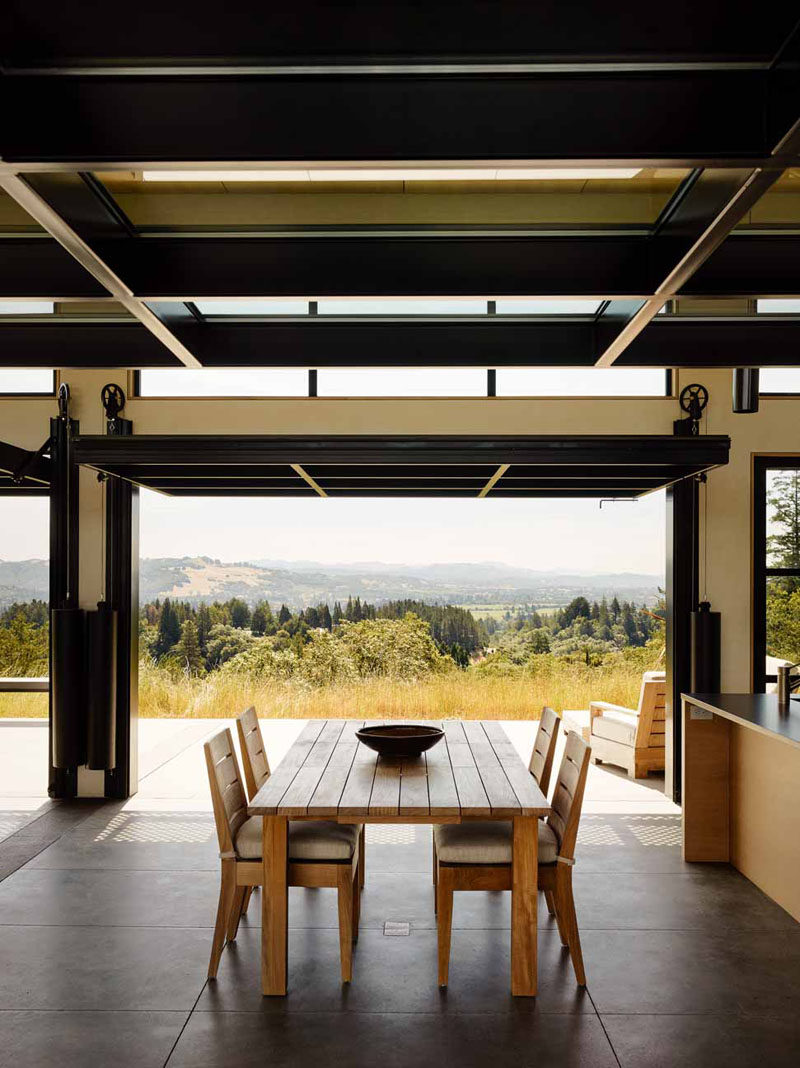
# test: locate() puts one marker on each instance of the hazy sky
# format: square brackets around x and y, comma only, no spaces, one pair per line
[541,534]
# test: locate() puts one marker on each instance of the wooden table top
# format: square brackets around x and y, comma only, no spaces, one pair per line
[474,773]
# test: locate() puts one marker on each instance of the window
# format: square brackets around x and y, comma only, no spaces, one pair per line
[246,308]
[223,382]
[582,382]
[777,380]
[27,381]
[27,307]
[401,307]
[778,306]
[776,570]
[546,307]
[401,382]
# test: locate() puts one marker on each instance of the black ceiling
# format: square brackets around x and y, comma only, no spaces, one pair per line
[625,466]
[713,87]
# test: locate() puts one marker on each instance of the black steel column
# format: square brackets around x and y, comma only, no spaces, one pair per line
[62,782]
[122,594]
[682,598]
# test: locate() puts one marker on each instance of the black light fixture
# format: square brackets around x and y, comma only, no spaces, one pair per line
[745,390]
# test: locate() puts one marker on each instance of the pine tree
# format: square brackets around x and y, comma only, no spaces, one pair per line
[338,615]
[325,617]
[169,629]
[615,610]
[204,625]
[783,498]
[258,620]
[188,649]
[284,616]
[240,613]
[348,612]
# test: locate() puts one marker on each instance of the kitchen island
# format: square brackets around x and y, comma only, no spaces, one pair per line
[741,788]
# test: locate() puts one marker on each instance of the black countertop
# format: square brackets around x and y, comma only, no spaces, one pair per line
[758,711]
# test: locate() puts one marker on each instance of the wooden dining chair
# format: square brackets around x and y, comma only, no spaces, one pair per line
[540,765]
[544,748]
[256,773]
[478,856]
[321,854]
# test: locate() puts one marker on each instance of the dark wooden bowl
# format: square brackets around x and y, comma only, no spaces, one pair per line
[400,739]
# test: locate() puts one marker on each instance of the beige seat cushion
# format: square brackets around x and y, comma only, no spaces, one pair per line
[487,843]
[316,840]
[616,726]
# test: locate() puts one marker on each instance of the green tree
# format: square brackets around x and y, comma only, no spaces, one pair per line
[188,649]
[258,620]
[783,499]
[284,616]
[240,613]
[169,630]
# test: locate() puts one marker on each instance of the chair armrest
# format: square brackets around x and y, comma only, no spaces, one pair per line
[597,708]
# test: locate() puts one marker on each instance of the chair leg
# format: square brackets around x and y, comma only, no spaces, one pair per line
[362,857]
[444,921]
[248,893]
[227,889]
[568,923]
[548,897]
[236,912]
[356,902]
[344,883]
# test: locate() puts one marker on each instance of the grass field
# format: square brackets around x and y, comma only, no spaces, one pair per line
[454,695]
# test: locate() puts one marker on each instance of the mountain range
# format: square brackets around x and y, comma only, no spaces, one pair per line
[299,583]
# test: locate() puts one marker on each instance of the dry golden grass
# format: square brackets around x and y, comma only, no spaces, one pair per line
[23,705]
[460,695]
[455,695]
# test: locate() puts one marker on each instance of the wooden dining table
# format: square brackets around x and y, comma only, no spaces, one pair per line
[474,773]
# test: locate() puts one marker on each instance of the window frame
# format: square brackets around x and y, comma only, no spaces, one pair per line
[761,572]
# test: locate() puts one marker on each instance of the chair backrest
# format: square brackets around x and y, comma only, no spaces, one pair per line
[544,748]
[227,792]
[652,710]
[254,756]
[567,800]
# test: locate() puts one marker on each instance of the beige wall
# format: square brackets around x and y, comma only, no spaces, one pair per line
[726,579]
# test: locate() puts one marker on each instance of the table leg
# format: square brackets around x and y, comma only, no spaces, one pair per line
[524,906]
[274,905]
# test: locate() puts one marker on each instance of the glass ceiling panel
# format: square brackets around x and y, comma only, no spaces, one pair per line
[224,382]
[401,382]
[26,307]
[779,207]
[779,380]
[778,305]
[401,307]
[252,307]
[223,206]
[26,380]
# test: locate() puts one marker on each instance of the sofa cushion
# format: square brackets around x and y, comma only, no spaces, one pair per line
[315,840]
[487,843]
[616,726]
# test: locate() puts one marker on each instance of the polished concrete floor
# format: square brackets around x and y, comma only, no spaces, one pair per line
[106,915]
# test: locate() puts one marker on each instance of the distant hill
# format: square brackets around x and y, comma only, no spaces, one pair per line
[300,583]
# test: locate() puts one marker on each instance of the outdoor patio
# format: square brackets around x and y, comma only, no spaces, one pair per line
[126,893]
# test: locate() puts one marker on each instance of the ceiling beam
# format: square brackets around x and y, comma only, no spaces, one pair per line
[617,267]
[709,205]
[705,118]
[36,198]
[669,341]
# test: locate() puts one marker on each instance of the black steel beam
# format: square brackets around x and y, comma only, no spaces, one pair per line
[197,32]
[491,341]
[81,344]
[675,117]
[76,210]
[205,451]
[529,265]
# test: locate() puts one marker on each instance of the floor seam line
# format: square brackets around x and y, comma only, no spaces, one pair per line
[602,1024]
[185,1023]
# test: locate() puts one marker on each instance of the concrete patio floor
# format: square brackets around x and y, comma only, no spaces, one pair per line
[107,909]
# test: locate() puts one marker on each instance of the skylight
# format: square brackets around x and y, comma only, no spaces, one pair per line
[396,174]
